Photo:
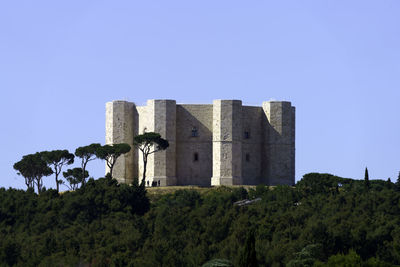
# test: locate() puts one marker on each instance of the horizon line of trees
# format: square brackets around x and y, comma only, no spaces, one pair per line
[33,167]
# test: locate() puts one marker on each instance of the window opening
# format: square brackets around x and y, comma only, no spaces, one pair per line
[196,156]
[246,135]
[194,132]
[247,157]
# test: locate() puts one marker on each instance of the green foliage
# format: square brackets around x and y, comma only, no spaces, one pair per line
[104,223]
[240,193]
[57,159]
[149,139]
[352,259]
[367,184]
[110,153]
[307,256]
[248,256]
[86,154]
[75,177]
[315,183]
[33,167]
[84,227]
[398,182]
[9,251]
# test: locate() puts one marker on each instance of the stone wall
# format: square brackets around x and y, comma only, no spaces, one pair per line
[252,142]
[279,143]
[165,124]
[194,144]
[227,145]
[159,116]
[146,124]
[121,125]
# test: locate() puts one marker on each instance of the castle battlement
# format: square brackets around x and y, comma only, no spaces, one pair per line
[224,143]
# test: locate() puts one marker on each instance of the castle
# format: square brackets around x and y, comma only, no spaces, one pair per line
[224,143]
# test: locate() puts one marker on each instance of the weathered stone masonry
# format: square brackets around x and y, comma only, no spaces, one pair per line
[225,143]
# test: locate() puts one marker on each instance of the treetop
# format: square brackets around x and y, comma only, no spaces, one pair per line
[88,150]
[151,138]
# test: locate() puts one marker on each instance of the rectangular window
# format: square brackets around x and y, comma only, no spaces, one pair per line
[194,132]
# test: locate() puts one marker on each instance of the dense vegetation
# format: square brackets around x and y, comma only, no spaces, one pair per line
[323,220]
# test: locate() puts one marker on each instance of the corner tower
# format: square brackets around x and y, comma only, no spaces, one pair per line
[227,142]
[121,127]
[279,143]
[160,116]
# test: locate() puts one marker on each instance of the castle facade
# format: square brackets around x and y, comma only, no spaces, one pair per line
[224,143]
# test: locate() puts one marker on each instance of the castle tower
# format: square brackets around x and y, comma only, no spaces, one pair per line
[161,118]
[279,143]
[227,146]
[121,127]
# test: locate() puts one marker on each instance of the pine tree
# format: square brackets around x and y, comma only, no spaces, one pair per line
[366,179]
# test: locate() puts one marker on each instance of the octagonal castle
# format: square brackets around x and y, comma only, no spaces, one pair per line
[224,143]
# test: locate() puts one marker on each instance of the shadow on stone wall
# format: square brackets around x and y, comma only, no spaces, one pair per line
[194,149]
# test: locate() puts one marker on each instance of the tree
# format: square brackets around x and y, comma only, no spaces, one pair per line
[350,259]
[149,143]
[398,183]
[110,153]
[24,169]
[86,153]
[58,158]
[75,176]
[248,256]
[32,167]
[389,184]
[307,256]
[366,179]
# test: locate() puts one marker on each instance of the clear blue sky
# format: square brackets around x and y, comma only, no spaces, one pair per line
[337,61]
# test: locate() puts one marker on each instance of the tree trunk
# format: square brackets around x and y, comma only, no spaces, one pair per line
[58,185]
[38,184]
[83,171]
[144,170]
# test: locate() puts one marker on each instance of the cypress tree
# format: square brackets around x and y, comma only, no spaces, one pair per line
[389,183]
[366,179]
[398,183]
[248,256]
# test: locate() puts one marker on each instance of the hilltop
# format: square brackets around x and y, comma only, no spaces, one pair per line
[323,220]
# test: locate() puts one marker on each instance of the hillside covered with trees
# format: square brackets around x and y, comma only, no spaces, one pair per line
[322,220]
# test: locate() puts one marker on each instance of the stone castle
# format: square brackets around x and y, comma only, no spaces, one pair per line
[224,143]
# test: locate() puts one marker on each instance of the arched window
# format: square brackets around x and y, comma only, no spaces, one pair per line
[196,156]
[194,132]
